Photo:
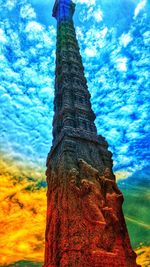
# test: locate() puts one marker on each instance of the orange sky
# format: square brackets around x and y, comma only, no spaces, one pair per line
[22,215]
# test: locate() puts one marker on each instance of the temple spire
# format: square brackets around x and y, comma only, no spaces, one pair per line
[85,225]
[63,10]
[72,99]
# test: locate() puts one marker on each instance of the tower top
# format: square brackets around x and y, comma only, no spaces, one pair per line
[63,10]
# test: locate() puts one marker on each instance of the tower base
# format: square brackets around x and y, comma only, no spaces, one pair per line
[85,223]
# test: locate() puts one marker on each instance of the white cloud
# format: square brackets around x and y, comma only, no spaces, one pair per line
[146,37]
[87,2]
[90,51]
[20,63]
[124,148]
[3,38]
[127,109]
[10,4]
[122,64]
[27,12]
[139,7]
[79,33]
[34,26]
[125,39]
[103,32]
[98,15]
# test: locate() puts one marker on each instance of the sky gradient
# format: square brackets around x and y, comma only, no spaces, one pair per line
[114,39]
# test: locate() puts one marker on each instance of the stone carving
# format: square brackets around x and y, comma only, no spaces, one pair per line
[89,193]
[86,228]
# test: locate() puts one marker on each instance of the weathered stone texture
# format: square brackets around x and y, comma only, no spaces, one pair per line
[85,225]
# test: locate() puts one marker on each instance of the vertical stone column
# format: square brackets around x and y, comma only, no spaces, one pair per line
[85,225]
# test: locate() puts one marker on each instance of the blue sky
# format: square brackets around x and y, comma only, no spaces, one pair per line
[114,38]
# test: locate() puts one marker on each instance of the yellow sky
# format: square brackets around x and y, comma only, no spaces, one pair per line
[22,214]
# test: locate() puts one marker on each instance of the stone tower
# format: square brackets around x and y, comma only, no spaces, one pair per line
[85,225]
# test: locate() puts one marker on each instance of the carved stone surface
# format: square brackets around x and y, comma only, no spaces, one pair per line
[85,225]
